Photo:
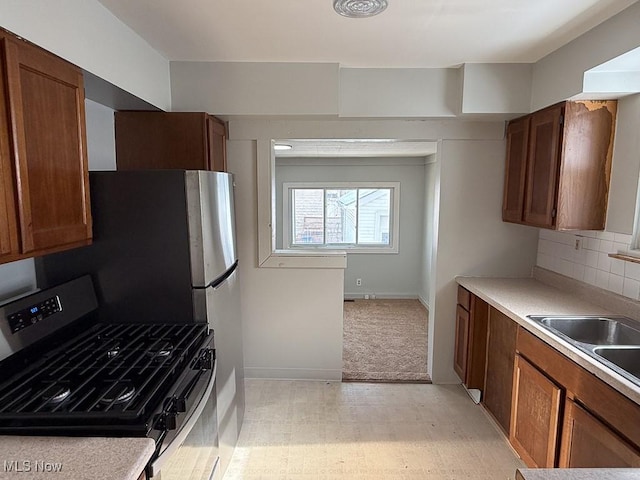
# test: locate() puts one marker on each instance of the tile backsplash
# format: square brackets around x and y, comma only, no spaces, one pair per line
[590,261]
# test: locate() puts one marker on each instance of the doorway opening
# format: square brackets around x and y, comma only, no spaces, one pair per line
[372,199]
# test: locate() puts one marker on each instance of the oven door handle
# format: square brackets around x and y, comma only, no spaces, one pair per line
[156,466]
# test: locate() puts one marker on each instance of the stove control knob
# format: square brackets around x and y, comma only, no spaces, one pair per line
[167,421]
[179,405]
[205,360]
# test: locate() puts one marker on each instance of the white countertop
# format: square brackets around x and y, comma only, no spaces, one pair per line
[579,473]
[73,458]
[519,297]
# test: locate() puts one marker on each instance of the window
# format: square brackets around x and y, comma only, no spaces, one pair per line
[355,217]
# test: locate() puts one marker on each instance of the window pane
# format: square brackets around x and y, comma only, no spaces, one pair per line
[373,215]
[308,216]
[341,216]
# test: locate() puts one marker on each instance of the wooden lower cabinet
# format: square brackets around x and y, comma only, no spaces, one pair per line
[471,339]
[462,343]
[535,415]
[501,346]
[589,443]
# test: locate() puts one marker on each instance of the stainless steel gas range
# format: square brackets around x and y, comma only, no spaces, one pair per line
[65,373]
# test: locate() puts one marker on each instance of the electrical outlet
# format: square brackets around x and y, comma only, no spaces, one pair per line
[578,243]
[358,282]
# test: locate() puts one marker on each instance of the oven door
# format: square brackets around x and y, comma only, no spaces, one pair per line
[193,453]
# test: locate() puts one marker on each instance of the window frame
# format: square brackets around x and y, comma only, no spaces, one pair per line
[394,217]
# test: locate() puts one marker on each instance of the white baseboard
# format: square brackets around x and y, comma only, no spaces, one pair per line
[424,303]
[380,296]
[293,373]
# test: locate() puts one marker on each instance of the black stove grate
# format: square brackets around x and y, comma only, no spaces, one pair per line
[114,372]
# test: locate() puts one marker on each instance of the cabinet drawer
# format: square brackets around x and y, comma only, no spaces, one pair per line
[464,298]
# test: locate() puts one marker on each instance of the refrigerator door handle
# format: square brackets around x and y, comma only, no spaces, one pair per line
[218,281]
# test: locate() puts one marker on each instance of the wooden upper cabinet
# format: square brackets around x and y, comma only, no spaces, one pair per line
[535,415]
[168,140]
[516,169]
[558,166]
[542,167]
[45,139]
[585,170]
[9,242]
[589,443]
[217,141]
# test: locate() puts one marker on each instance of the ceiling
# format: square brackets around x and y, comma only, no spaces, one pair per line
[410,33]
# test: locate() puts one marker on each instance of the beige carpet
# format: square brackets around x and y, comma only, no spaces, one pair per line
[385,341]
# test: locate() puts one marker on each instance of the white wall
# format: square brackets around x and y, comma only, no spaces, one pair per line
[292,318]
[386,275]
[87,34]
[227,88]
[496,88]
[17,278]
[101,141]
[399,92]
[559,75]
[430,228]
[472,238]
[625,167]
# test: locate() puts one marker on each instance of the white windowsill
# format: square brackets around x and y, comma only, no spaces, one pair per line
[306,259]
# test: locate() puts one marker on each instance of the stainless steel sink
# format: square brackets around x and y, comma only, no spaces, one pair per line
[625,357]
[613,341]
[594,330]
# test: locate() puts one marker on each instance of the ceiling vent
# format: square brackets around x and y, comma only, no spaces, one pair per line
[359,8]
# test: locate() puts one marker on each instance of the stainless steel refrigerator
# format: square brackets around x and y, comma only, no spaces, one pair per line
[164,250]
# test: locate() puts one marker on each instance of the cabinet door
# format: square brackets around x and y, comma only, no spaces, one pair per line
[162,140]
[542,168]
[587,151]
[535,415]
[462,343]
[8,228]
[589,443]
[477,351]
[515,172]
[501,345]
[46,98]
[217,144]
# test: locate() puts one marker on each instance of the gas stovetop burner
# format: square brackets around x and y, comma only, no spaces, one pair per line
[117,393]
[113,350]
[161,350]
[56,393]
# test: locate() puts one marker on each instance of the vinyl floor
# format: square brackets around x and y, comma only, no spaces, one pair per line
[332,430]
